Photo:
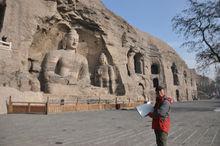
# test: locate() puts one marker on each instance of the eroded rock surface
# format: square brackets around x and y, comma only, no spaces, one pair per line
[136,61]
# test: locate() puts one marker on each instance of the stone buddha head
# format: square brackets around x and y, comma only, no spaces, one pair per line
[102,59]
[71,40]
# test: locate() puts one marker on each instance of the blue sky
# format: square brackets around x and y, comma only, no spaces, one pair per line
[154,17]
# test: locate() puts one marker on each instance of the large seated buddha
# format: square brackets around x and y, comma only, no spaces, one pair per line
[65,70]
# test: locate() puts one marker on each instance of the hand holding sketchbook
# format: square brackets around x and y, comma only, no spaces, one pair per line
[145,109]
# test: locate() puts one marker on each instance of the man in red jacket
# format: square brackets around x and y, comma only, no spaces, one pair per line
[160,116]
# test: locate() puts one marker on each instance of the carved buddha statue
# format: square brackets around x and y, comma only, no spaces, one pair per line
[65,66]
[104,74]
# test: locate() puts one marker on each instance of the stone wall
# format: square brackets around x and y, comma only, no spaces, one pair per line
[138,60]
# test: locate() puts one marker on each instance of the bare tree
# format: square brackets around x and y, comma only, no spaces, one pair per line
[199,24]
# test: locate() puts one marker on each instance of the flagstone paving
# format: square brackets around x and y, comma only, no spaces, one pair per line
[193,123]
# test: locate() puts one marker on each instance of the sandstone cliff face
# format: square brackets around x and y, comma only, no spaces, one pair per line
[139,60]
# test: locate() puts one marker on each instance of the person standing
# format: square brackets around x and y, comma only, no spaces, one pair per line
[161,116]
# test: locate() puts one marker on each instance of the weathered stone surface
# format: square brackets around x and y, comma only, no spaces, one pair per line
[139,61]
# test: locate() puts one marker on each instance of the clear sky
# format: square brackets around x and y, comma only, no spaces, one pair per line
[154,17]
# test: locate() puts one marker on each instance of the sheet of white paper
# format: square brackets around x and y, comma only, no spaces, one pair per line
[144,109]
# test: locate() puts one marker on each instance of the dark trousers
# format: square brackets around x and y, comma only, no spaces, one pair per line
[161,137]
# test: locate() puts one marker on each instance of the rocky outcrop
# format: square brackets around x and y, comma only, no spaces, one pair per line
[138,60]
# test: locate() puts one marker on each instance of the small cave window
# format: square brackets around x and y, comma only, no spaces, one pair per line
[175,74]
[141,90]
[62,102]
[30,61]
[175,79]
[2,12]
[155,69]
[138,64]
[185,76]
[177,95]
[155,82]
[191,82]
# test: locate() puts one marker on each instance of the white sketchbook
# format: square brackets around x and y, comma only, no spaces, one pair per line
[145,109]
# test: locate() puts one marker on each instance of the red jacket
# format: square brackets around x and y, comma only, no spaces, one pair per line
[160,115]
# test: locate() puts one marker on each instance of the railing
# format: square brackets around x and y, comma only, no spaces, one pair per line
[68,106]
[26,107]
[5,46]
[91,104]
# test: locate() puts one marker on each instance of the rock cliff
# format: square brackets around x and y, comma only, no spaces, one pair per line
[137,60]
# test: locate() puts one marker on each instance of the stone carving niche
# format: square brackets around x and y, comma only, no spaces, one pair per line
[155,82]
[91,45]
[175,74]
[65,67]
[155,70]
[130,64]
[138,63]
[177,95]
[141,91]
[2,12]
[185,76]
[105,75]
[135,63]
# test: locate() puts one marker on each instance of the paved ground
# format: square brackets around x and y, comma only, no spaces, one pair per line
[193,123]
